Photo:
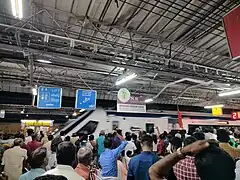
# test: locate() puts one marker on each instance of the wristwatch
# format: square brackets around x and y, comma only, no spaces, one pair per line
[180,154]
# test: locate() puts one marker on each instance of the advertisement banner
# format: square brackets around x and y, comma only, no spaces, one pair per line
[128,103]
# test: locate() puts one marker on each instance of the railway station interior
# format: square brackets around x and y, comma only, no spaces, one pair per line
[120,89]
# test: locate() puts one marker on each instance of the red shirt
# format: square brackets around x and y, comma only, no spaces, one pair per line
[33,145]
[83,171]
[161,147]
[186,169]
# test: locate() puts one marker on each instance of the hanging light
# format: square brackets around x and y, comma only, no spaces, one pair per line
[17,8]
[125,79]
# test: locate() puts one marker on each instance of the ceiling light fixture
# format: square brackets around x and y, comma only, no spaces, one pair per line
[214,106]
[34,91]
[66,116]
[44,61]
[22,112]
[230,92]
[149,100]
[125,79]
[17,8]
[81,110]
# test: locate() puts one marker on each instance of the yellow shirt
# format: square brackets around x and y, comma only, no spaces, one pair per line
[234,152]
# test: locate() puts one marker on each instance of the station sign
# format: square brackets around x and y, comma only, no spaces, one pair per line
[235,115]
[86,99]
[49,97]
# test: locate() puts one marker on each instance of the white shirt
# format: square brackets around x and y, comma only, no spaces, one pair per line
[154,147]
[13,162]
[66,171]
[130,147]
[48,145]
[28,139]
[210,136]
[52,161]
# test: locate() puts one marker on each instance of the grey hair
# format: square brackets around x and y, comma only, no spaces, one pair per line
[84,154]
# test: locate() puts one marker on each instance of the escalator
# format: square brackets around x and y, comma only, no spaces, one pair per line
[72,123]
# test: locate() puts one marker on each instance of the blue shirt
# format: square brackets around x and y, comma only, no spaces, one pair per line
[108,160]
[32,174]
[100,144]
[139,165]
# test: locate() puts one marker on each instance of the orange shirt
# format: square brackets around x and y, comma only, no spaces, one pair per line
[83,171]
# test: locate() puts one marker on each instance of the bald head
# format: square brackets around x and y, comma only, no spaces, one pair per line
[84,155]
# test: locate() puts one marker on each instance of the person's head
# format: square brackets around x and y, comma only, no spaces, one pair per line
[107,143]
[62,133]
[91,137]
[161,136]
[67,138]
[175,144]
[189,140]
[30,132]
[222,136]
[17,142]
[215,163]
[85,137]
[102,133]
[199,135]
[22,137]
[127,134]
[38,158]
[129,153]
[147,143]
[178,135]
[84,156]
[134,137]
[119,131]
[50,137]
[34,137]
[55,142]
[128,137]
[66,153]
[50,177]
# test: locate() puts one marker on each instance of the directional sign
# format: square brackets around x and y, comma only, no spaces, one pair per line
[86,99]
[49,98]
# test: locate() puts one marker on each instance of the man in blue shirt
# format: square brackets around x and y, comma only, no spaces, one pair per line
[108,159]
[139,165]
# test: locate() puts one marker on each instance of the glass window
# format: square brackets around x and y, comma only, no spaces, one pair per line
[89,128]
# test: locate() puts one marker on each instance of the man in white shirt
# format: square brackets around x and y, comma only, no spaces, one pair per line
[48,144]
[66,157]
[130,146]
[30,132]
[13,160]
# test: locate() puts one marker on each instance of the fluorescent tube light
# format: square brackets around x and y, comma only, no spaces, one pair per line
[44,61]
[34,91]
[125,79]
[17,8]
[213,106]
[229,93]
[74,113]
[149,100]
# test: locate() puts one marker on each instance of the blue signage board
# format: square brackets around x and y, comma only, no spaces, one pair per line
[86,99]
[49,98]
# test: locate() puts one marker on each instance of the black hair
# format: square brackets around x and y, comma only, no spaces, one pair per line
[107,143]
[215,163]
[30,132]
[147,140]
[17,142]
[189,140]
[62,133]
[199,135]
[129,153]
[223,136]
[134,136]
[66,153]
[176,142]
[67,138]
[34,137]
[51,177]
[91,137]
[109,135]
[50,137]
[119,131]
[55,142]
[128,137]
[162,136]
[85,137]
[127,134]
[36,159]
[22,137]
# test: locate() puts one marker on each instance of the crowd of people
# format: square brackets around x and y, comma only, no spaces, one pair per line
[211,155]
